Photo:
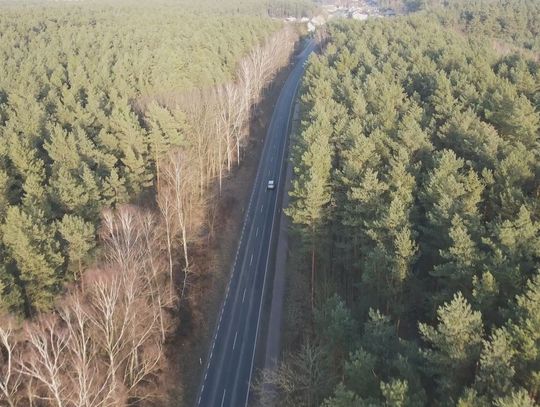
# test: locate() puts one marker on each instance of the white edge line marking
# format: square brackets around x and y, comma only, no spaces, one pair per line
[245,222]
[223,398]
[246,218]
[217,327]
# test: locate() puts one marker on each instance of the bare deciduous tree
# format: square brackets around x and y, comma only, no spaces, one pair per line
[218,119]
[44,360]
[103,345]
[178,175]
[10,377]
[90,387]
[165,202]
[154,275]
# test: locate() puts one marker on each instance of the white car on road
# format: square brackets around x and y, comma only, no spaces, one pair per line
[271,184]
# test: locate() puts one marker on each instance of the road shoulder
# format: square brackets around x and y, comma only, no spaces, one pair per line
[275,322]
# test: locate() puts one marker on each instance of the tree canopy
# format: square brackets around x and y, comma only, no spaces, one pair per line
[85,93]
[416,195]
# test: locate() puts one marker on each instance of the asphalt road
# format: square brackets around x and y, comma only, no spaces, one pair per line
[230,362]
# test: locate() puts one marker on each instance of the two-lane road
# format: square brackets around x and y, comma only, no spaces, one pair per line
[230,363]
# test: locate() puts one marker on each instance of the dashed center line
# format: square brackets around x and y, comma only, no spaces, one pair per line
[223,398]
[251,260]
[217,330]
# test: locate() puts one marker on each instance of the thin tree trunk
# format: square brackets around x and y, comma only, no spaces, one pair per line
[186,260]
[313,278]
[157,170]
[238,152]
[169,252]
[220,166]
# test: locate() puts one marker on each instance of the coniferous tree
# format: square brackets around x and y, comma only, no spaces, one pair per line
[433,186]
[35,252]
[454,345]
[450,190]
[461,261]
[310,191]
[526,336]
[496,372]
[80,240]
[518,398]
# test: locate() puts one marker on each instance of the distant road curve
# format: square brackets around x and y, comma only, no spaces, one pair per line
[230,363]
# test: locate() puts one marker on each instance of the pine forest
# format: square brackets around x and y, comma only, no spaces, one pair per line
[134,137]
[415,201]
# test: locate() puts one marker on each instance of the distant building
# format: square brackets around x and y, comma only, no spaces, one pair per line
[355,9]
[359,16]
[318,20]
[339,14]
[331,8]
